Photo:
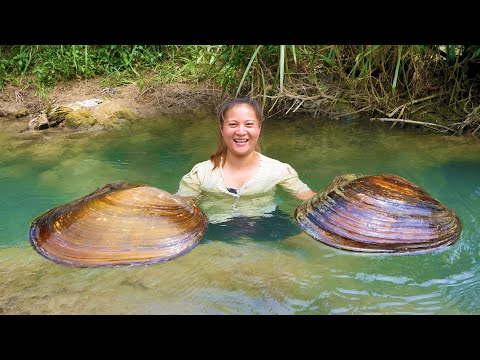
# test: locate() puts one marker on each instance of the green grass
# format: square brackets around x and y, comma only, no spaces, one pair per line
[374,79]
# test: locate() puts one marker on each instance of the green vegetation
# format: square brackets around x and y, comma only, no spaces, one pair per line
[404,84]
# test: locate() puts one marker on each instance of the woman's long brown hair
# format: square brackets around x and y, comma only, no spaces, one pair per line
[221,149]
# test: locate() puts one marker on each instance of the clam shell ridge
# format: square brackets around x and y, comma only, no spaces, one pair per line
[119,224]
[378,214]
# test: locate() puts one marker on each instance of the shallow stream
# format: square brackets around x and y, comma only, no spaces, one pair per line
[276,269]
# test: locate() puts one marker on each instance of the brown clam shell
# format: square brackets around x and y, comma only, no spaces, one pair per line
[119,224]
[378,214]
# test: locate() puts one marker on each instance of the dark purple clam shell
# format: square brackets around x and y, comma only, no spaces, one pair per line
[378,214]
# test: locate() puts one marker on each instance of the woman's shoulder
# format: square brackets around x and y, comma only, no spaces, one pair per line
[277,168]
[202,167]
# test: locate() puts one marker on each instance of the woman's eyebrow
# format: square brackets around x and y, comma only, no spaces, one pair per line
[248,120]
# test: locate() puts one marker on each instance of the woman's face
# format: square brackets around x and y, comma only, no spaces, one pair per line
[241,129]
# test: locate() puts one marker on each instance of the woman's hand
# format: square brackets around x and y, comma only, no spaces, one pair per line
[305,195]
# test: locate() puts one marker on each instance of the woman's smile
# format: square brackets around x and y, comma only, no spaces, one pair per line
[240,142]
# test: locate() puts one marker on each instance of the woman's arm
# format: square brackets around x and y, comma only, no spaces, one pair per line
[305,195]
[189,187]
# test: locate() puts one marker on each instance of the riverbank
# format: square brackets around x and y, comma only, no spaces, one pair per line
[24,110]
[20,105]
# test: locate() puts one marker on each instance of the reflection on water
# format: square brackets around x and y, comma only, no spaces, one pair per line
[259,265]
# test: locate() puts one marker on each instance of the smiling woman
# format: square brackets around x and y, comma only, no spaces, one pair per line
[236,171]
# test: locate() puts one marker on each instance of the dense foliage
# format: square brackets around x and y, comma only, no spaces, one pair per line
[391,82]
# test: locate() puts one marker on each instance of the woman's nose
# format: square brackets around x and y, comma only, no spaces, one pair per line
[241,129]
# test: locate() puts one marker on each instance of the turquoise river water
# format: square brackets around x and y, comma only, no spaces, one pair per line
[275,269]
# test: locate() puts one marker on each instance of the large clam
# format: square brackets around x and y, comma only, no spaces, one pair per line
[119,224]
[378,213]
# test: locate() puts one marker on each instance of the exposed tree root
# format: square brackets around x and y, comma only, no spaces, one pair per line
[437,127]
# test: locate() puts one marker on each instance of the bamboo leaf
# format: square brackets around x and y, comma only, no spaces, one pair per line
[282,66]
[264,87]
[247,69]
[397,67]
[451,54]
[294,55]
